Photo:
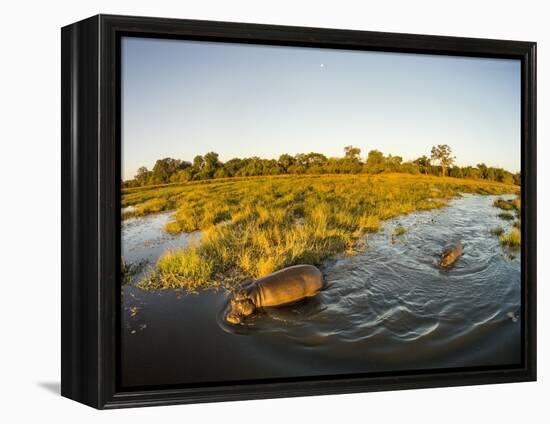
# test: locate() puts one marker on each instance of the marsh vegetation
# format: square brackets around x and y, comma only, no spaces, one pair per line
[399,230]
[390,303]
[250,227]
[512,212]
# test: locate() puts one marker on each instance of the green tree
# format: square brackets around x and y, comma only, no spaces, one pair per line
[221,172]
[184,164]
[456,172]
[471,172]
[169,170]
[499,174]
[393,163]
[143,176]
[286,161]
[198,162]
[423,163]
[410,168]
[443,154]
[164,168]
[233,166]
[508,178]
[209,166]
[483,170]
[376,162]
[352,152]
[271,167]
[211,160]
[182,175]
[313,158]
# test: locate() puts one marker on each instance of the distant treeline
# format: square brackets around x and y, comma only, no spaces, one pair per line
[440,162]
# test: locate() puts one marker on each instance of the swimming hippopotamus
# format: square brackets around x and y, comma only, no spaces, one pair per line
[282,287]
[450,254]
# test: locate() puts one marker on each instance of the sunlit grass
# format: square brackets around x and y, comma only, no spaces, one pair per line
[254,226]
[148,207]
[511,212]
[512,205]
[511,239]
[180,269]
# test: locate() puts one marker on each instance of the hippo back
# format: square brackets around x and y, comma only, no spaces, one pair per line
[288,285]
[451,254]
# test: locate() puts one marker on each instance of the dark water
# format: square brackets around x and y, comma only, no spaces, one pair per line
[388,308]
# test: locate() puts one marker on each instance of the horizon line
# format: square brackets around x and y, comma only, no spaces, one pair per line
[362,158]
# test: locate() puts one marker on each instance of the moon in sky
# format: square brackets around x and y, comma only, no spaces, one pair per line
[322,65]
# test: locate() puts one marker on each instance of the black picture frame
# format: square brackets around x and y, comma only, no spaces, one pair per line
[91,175]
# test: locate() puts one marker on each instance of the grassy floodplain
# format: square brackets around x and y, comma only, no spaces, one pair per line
[256,225]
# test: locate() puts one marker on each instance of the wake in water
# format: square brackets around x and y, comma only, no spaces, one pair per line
[397,289]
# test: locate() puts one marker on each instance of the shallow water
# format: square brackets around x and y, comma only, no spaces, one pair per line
[388,308]
[143,239]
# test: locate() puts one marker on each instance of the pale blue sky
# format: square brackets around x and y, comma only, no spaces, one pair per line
[184,98]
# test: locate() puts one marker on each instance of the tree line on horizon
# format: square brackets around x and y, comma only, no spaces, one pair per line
[209,166]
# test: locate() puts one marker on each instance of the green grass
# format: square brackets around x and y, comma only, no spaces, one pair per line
[254,226]
[149,206]
[513,204]
[512,207]
[131,270]
[511,239]
[506,216]
[512,212]
[497,231]
[399,230]
[180,269]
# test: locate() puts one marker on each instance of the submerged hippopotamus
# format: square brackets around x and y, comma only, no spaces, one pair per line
[450,254]
[282,287]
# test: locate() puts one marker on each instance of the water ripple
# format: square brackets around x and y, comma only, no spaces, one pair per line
[388,308]
[395,290]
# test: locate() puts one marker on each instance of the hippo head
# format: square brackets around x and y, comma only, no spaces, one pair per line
[240,307]
[447,259]
[451,254]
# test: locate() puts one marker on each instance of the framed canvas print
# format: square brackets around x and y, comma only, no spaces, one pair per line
[253,211]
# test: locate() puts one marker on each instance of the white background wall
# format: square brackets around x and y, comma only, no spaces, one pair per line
[30,211]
